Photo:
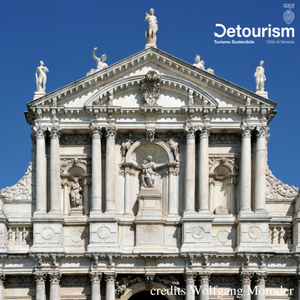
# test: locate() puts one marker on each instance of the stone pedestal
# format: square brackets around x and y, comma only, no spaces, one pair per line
[262,93]
[149,222]
[38,95]
[253,232]
[76,211]
[197,233]
[47,234]
[104,234]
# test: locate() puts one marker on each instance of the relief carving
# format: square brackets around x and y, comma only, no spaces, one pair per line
[75,280]
[226,139]
[151,88]
[75,139]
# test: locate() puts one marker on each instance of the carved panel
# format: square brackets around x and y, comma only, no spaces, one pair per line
[19,281]
[217,139]
[75,280]
[75,139]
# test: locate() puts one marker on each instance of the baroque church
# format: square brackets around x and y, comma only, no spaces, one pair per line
[149,178]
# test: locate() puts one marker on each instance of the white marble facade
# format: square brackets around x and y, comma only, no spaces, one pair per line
[150,173]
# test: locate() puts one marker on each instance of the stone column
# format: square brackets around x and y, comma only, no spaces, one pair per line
[204,286]
[189,278]
[246,284]
[96,203]
[110,286]
[111,133]
[41,171]
[127,206]
[2,278]
[212,194]
[260,284]
[172,209]
[40,279]
[260,169]
[190,172]
[54,171]
[86,184]
[203,171]
[95,281]
[245,170]
[54,285]
[66,199]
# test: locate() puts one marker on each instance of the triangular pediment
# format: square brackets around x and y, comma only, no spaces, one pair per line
[181,84]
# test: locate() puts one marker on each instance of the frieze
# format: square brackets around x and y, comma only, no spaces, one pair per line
[21,190]
[275,189]
[223,280]
[19,281]
[75,280]
[226,139]
[75,139]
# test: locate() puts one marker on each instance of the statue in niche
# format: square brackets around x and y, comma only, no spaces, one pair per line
[199,63]
[260,77]
[148,174]
[153,27]
[100,62]
[126,145]
[75,196]
[41,77]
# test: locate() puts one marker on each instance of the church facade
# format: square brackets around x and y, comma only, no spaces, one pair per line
[149,175]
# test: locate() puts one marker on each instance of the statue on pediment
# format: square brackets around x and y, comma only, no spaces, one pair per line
[100,62]
[260,77]
[199,63]
[41,77]
[153,27]
[148,174]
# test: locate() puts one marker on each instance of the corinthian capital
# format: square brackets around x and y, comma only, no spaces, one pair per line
[40,277]
[110,278]
[191,133]
[245,277]
[246,131]
[189,277]
[95,130]
[39,132]
[262,132]
[204,277]
[55,132]
[95,277]
[2,278]
[204,132]
[261,277]
[54,277]
[111,132]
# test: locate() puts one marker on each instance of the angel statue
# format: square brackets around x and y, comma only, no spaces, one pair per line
[75,196]
[100,62]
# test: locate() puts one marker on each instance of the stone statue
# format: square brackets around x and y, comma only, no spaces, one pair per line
[76,198]
[126,145]
[199,63]
[260,77]
[153,27]
[148,174]
[100,62]
[41,77]
[174,147]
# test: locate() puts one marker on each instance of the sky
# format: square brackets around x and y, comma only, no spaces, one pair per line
[63,34]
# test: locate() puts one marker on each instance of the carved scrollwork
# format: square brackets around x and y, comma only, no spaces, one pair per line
[231,163]
[111,132]
[278,190]
[19,281]
[40,277]
[75,139]
[55,132]
[54,277]
[110,278]
[75,280]
[260,277]
[21,190]
[126,282]
[189,277]
[151,88]
[216,139]
[67,164]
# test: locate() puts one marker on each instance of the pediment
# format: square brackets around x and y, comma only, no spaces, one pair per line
[181,84]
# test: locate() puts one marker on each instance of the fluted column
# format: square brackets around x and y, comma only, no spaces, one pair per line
[203,170]
[54,171]
[127,206]
[204,286]
[189,278]
[245,277]
[2,278]
[96,203]
[190,172]
[245,170]
[40,279]
[260,285]
[110,286]
[260,169]
[54,285]
[41,171]
[111,133]
[95,281]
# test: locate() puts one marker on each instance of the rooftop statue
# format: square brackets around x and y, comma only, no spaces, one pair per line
[152,29]
[199,63]
[41,77]
[260,77]
[100,62]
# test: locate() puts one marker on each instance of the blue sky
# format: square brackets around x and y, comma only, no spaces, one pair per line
[64,33]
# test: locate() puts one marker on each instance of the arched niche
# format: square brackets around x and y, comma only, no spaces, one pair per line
[140,287]
[141,149]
